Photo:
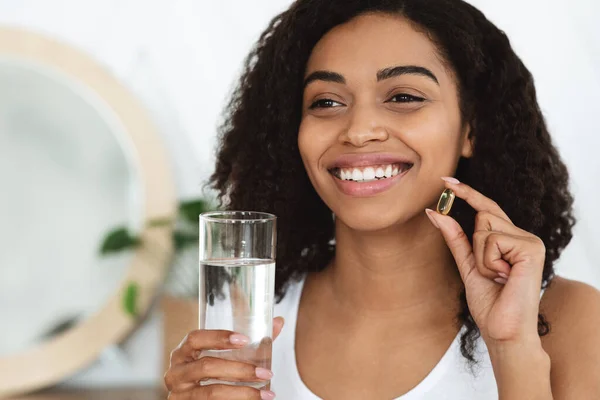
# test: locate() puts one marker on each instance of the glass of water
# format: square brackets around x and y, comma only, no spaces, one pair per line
[237,283]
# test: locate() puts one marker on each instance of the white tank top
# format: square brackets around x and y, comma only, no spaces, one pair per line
[450,379]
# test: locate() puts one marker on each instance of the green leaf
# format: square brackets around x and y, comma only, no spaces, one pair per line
[190,210]
[182,239]
[130,299]
[118,240]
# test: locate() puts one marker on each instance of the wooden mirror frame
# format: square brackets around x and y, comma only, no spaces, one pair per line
[57,358]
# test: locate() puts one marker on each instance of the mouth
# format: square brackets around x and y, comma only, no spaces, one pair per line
[369,180]
[370,173]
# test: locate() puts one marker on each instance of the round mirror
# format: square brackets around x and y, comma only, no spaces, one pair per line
[67,178]
[79,157]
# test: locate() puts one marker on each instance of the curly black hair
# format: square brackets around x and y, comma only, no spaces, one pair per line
[514,161]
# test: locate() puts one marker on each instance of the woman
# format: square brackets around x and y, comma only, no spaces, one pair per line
[355,109]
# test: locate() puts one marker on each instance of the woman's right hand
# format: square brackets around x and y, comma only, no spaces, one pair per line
[187,369]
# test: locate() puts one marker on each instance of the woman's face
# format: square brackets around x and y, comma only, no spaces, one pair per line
[380,122]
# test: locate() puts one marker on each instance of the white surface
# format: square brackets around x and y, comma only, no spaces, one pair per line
[181,58]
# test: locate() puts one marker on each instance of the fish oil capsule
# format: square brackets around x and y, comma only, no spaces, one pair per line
[445,203]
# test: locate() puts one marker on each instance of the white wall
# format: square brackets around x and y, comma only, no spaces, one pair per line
[181,58]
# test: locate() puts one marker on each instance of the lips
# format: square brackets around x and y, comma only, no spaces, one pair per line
[364,175]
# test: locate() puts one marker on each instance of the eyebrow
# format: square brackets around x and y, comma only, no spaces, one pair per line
[326,76]
[386,73]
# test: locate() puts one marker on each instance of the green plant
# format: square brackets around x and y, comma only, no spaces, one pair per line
[185,235]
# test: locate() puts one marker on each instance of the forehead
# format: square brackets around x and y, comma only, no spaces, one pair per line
[371,42]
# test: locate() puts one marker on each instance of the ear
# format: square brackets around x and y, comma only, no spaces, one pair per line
[467,142]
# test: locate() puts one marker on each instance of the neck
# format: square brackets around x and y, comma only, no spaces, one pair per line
[407,272]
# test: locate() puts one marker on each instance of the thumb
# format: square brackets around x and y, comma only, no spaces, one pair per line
[457,241]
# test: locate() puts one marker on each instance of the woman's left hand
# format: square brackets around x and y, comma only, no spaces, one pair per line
[502,271]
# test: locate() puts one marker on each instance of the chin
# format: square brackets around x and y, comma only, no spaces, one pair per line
[370,218]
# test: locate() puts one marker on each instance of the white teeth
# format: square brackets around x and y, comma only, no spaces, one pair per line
[368,174]
[357,175]
[388,171]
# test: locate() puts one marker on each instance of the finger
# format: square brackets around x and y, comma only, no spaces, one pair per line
[223,392]
[493,258]
[487,258]
[277,326]
[475,199]
[485,220]
[475,283]
[184,376]
[201,339]
[486,223]
[457,242]
[524,253]
[526,257]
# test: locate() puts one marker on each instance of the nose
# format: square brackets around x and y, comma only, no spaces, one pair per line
[363,127]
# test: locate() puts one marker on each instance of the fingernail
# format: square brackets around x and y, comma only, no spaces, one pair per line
[431,218]
[267,395]
[263,373]
[501,281]
[502,275]
[450,179]
[238,339]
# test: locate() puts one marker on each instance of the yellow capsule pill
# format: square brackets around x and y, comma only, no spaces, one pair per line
[445,203]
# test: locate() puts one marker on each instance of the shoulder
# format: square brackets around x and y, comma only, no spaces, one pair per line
[573,310]
[570,304]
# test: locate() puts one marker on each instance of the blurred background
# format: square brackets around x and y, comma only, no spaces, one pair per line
[69,172]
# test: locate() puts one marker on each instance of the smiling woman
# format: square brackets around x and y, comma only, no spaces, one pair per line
[355,110]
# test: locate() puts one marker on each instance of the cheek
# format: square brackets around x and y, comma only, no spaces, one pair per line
[435,136]
[308,151]
[313,142]
[304,144]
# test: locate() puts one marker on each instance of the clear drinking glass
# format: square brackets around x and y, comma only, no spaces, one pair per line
[237,283]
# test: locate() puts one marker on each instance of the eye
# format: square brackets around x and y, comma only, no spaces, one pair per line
[405,98]
[325,103]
